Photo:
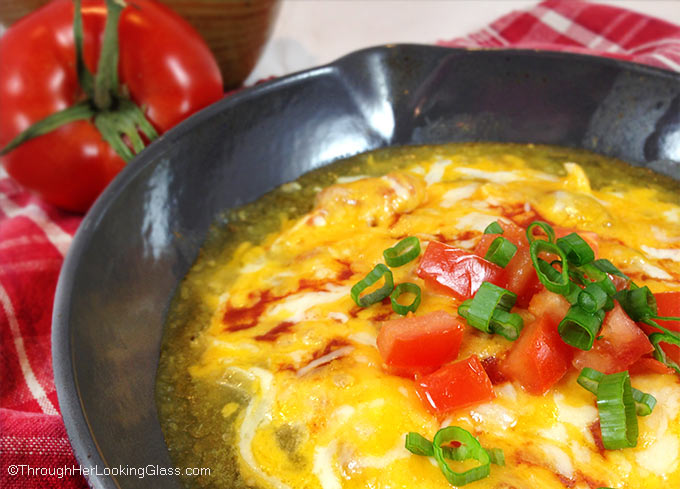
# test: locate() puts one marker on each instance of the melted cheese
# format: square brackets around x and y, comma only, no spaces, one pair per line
[311,358]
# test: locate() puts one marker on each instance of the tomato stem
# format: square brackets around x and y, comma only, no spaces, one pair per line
[77,112]
[106,78]
[118,119]
[127,120]
[84,75]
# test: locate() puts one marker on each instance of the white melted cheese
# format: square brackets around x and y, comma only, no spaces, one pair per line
[475,221]
[455,195]
[640,264]
[256,413]
[323,466]
[363,338]
[402,192]
[350,179]
[338,316]
[500,176]
[298,305]
[579,416]
[380,462]
[436,172]
[662,254]
[493,415]
[558,460]
[334,355]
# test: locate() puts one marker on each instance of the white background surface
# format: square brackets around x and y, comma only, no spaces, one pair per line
[314,32]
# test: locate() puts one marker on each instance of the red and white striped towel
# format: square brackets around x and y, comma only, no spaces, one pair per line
[34,237]
[583,27]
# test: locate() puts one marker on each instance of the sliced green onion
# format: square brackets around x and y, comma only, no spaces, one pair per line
[405,288]
[579,328]
[485,311]
[616,407]
[496,456]
[378,272]
[594,275]
[607,267]
[403,252]
[501,251]
[576,248]
[558,283]
[419,445]
[547,229]
[479,310]
[644,403]
[590,378]
[575,275]
[592,272]
[592,298]
[493,228]
[639,303]
[507,324]
[473,451]
[666,337]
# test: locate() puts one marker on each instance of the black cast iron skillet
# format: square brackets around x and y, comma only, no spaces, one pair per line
[144,232]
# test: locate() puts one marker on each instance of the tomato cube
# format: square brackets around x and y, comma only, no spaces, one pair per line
[539,358]
[420,344]
[620,345]
[455,386]
[456,272]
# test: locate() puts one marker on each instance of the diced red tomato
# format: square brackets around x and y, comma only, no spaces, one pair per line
[511,231]
[669,305]
[420,344]
[539,358]
[520,274]
[550,304]
[456,272]
[648,365]
[521,277]
[622,343]
[455,386]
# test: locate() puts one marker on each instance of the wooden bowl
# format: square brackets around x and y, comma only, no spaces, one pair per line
[235,30]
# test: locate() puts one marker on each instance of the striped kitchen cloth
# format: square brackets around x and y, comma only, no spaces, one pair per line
[586,28]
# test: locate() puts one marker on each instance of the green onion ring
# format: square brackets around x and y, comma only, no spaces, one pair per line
[501,251]
[547,229]
[473,450]
[616,407]
[608,267]
[373,276]
[507,324]
[403,252]
[479,311]
[493,228]
[419,445]
[639,303]
[403,288]
[579,327]
[577,250]
[592,298]
[589,379]
[666,337]
[560,284]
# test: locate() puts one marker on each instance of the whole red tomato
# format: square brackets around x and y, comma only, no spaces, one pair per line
[164,65]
